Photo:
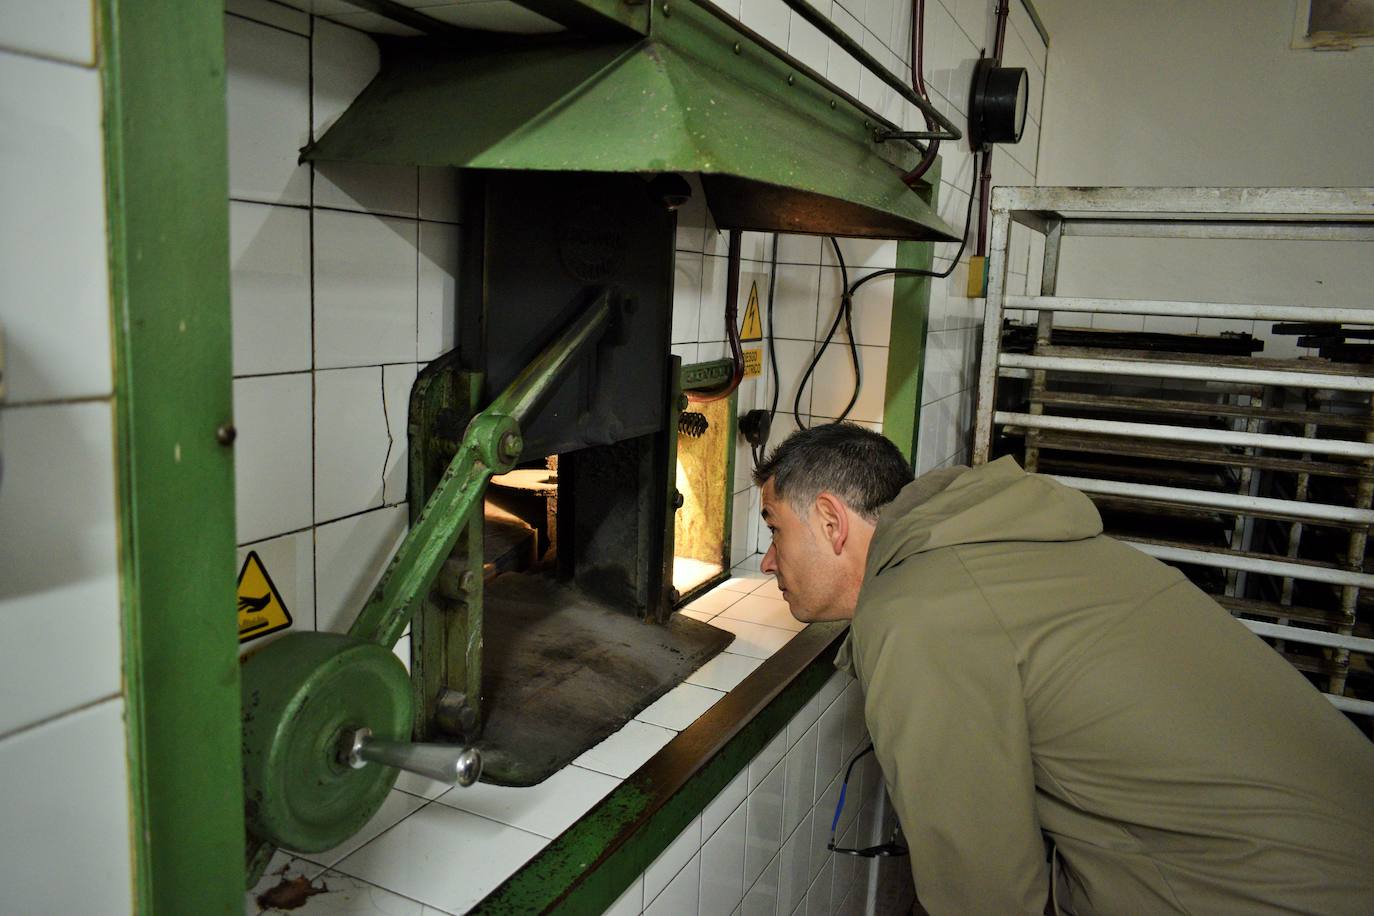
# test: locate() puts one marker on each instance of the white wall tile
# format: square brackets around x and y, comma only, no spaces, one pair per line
[824,814]
[807,43]
[720,808]
[437,318]
[397,382]
[794,866]
[367,187]
[671,860]
[842,68]
[687,274]
[290,563]
[60,29]
[834,384]
[762,897]
[767,17]
[440,194]
[343,62]
[59,587]
[763,832]
[64,823]
[799,249]
[871,314]
[269,12]
[795,302]
[830,755]
[818,895]
[793,358]
[681,895]
[351,441]
[767,759]
[268,99]
[799,781]
[494,16]
[350,556]
[54,286]
[272,455]
[269,259]
[722,866]
[631,902]
[375,24]
[365,290]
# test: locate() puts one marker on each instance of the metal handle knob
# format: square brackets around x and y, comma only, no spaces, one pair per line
[444,762]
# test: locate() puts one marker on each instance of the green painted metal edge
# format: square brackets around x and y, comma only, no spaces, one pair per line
[590,865]
[906,355]
[162,65]
[784,151]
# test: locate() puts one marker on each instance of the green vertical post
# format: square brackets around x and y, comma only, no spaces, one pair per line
[906,355]
[162,64]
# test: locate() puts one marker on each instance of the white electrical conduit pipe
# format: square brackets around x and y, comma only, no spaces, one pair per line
[1260,565]
[1193,371]
[1318,512]
[1343,447]
[1238,311]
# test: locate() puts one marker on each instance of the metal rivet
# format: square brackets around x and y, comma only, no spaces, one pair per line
[791,79]
[832,103]
[666,10]
[737,47]
[226,434]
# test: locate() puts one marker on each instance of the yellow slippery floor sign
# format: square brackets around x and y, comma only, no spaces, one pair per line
[752,328]
[261,609]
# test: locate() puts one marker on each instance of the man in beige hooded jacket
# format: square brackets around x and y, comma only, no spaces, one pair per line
[1031,684]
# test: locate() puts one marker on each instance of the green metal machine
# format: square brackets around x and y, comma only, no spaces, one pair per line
[311,778]
[636,93]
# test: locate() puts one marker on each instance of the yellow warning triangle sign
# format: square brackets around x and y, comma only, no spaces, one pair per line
[752,328]
[261,609]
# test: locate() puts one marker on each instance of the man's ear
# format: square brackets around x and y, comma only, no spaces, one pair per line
[833,516]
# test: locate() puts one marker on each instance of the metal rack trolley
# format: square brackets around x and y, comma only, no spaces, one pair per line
[1275,424]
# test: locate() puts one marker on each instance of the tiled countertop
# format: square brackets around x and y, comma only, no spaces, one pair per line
[434,849]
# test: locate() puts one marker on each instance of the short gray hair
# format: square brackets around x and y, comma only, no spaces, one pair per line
[858,465]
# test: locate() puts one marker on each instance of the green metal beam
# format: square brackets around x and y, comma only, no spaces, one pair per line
[162,64]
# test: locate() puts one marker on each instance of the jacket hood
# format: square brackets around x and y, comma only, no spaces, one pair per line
[992,502]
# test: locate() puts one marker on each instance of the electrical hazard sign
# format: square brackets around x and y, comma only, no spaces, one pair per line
[261,608]
[753,362]
[752,328]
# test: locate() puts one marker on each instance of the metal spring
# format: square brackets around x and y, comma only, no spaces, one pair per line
[692,424]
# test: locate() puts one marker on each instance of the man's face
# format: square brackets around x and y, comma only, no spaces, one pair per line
[808,572]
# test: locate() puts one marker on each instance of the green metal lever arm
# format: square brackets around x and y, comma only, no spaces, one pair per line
[491,445]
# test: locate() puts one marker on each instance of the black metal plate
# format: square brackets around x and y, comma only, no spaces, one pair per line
[564,670]
[547,241]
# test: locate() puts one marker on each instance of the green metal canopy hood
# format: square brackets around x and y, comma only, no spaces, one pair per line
[777,147]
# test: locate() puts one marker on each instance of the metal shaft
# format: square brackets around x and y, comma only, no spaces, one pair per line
[443,762]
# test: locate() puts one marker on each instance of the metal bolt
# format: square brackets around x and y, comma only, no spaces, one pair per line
[678,499]
[737,47]
[511,445]
[791,79]
[466,581]
[667,11]
[226,434]
[832,103]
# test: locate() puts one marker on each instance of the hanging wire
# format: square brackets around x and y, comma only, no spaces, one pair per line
[845,311]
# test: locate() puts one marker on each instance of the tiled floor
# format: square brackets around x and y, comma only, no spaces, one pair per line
[433,850]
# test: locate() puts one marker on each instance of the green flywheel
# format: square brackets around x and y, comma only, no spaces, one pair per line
[301,694]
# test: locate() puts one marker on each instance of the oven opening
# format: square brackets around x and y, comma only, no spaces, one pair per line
[701,527]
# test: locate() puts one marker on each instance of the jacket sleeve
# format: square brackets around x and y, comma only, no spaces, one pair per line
[946,711]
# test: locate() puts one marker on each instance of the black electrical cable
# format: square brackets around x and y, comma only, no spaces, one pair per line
[847,305]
